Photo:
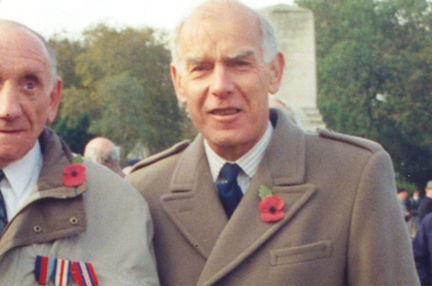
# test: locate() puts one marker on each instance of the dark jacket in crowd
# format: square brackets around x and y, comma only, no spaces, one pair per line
[425,207]
[414,206]
[422,245]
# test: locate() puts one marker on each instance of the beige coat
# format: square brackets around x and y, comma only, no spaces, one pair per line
[105,222]
[342,224]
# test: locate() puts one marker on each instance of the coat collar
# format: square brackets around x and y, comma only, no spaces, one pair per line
[54,211]
[287,145]
[193,204]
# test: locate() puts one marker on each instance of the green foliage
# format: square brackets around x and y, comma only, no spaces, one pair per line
[403,183]
[67,52]
[121,79]
[75,134]
[126,114]
[375,76]
[188,130]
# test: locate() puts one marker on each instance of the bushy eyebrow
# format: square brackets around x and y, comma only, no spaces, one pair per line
[193,60]
[32,76]
[190,61]
[241,55]
[35,75]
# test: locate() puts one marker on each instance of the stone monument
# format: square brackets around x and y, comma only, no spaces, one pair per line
[296,34]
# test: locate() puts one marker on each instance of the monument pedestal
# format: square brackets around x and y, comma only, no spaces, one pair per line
[296,34]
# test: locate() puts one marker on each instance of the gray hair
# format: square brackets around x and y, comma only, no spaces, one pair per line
[101,156]
[270,45]
[52,58]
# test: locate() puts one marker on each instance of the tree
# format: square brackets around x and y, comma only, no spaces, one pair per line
[121,80]
[67,51]
[122,119]
[374,75]
[76,135]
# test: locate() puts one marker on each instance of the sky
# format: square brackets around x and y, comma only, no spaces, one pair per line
[71,17]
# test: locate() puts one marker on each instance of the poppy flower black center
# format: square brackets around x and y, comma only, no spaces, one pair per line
[272,210]
[74,173]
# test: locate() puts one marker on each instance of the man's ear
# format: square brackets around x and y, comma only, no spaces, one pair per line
[276,73]
[178,87]
[55,99]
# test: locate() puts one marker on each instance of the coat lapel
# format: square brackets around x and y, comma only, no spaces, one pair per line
[192,203]
[51,199]
[282,170]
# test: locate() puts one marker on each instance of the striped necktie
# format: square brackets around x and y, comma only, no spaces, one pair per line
[3,213]
[230,193]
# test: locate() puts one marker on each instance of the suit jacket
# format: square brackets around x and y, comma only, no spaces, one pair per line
[342,223]
[104,221]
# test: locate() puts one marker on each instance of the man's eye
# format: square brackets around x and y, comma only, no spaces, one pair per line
[29,85]
[198,68]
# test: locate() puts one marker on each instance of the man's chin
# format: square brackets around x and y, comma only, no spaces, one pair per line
[10,154]
[231,147]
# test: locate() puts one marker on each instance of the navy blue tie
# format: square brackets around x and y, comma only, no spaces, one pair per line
[3,213]
[230,193]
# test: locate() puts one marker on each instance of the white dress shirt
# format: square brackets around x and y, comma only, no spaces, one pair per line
[248,162]
[21,180]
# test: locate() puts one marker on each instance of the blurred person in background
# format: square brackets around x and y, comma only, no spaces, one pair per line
[426,204]
[104,152]
[414,203]
[403,203]
[422,245]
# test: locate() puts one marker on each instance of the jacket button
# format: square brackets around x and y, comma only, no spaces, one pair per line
[37,228]
[73,220]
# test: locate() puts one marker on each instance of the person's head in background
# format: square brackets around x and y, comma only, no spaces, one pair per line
[104,152]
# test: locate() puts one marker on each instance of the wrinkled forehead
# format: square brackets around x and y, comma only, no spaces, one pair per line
[16,40]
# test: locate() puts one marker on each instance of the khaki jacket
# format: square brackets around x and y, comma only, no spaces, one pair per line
[342,223]
[104,222]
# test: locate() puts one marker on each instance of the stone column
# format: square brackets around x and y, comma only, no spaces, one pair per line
[296,34]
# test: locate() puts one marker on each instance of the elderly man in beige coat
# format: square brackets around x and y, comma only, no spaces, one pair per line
[63,220]
[312,209]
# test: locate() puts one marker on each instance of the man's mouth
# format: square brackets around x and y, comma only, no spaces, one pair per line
[7,131]
[230,111]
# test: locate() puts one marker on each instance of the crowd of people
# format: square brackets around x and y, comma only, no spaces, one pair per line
[417,212]
[253,200]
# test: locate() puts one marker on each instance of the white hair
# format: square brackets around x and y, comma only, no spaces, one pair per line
[270,46]
[102,151]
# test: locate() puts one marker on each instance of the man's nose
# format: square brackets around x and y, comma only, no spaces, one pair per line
[222,82]
[10,107]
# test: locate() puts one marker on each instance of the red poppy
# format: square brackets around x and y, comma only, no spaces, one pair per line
[74,175]
[271,209]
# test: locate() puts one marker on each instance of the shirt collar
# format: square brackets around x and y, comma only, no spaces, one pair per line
[248,162]
[22,172]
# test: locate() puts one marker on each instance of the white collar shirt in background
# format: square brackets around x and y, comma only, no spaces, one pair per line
[248,162]
[21,180]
